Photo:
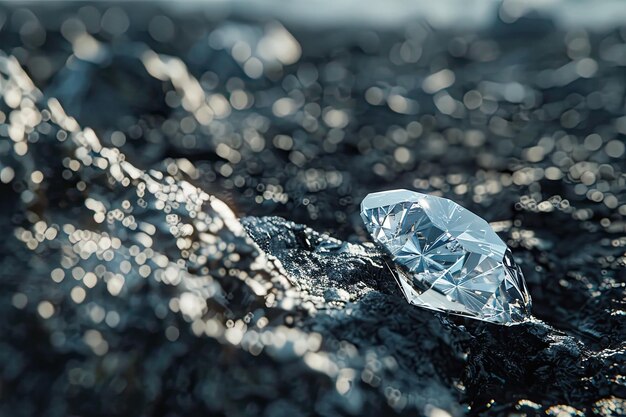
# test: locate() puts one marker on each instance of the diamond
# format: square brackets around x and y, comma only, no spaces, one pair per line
[447,258]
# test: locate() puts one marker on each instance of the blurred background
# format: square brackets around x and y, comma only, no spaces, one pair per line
[180,186]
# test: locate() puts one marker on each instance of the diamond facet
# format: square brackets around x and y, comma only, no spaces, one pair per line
[447,258]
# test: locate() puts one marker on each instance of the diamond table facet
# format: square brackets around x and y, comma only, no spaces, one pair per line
[447,258]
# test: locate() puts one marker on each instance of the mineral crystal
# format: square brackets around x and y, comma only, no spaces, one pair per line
[447,258]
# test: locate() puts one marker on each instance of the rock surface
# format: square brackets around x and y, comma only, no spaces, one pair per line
[180,196]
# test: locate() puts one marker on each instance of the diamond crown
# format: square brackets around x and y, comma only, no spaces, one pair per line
[447,258]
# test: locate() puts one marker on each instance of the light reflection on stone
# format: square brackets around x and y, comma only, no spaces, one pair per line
[449,259]
[248,112]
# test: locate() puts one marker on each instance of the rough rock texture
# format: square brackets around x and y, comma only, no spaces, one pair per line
[141,150]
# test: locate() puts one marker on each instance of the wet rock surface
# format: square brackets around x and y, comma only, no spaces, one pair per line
[180,197]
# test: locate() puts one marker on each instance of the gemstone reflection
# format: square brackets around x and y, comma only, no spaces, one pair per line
[448,258]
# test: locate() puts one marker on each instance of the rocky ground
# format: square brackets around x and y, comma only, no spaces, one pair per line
[180,199]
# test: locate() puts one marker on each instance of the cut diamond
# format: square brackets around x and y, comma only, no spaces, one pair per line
[448,259]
